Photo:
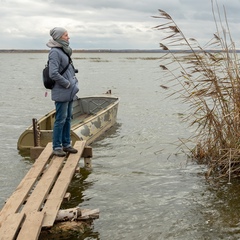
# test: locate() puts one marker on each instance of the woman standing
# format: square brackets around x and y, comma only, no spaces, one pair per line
[64,90]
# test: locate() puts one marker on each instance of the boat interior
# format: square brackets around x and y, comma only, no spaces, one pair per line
[82,109]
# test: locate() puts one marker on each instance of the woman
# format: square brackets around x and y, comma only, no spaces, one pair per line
[64,90]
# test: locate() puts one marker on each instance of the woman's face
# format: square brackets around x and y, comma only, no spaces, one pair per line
[65,37]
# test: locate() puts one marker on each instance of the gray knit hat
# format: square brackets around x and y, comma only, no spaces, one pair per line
[57,32]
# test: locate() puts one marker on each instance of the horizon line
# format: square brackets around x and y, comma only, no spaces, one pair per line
[117,50]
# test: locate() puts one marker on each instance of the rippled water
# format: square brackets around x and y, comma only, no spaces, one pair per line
[142,186]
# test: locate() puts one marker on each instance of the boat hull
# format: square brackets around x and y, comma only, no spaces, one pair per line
[92,116]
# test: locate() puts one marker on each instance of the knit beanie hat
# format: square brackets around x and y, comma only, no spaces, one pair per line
[57,32]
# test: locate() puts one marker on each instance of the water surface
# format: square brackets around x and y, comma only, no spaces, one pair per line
[143,186]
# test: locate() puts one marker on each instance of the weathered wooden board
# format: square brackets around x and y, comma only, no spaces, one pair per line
[11,225]
[59,190]
[42,188]
[18,197]
[37,199]
[32,226]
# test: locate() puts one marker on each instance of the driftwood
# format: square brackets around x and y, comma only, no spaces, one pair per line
[68,214]
[89,214]
[76,214]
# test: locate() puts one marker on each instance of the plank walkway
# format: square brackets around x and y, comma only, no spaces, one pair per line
[36,201]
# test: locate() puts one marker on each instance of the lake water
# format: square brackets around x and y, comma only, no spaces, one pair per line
[145,189]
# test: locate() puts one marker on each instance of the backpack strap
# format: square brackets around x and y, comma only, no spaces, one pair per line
[69,62]
[64,70]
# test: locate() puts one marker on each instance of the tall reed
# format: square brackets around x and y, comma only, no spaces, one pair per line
[208,80]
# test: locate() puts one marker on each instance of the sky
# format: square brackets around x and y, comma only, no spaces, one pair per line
[109,24]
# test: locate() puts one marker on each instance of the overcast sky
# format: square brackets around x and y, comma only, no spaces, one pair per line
[108,24]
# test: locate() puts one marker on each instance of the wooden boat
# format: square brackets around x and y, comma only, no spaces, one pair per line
[92,116]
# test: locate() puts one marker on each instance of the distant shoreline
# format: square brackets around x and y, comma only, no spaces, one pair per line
[105,51]
[80,50]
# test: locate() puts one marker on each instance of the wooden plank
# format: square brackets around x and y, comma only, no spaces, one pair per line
[32,226]
[87,153]
[35,152]
[59,190]
[18,197]
[42,189]
[11,225]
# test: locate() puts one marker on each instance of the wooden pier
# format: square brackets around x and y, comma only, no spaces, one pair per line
[37,199]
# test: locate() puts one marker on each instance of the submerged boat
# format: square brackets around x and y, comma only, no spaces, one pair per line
[92,116]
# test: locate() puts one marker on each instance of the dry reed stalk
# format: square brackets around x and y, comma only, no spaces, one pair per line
[209,82]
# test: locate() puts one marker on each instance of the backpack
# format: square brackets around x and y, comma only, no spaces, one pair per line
[47,81]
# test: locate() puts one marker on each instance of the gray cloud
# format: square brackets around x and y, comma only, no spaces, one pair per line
[107,23]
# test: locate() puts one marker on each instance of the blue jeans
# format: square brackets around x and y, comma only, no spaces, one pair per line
[62,125]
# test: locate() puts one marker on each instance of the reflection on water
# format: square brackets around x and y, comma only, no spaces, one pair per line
[77,187]
[143,188]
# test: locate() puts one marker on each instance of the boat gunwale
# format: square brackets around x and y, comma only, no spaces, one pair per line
[92,116]
[87,119]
